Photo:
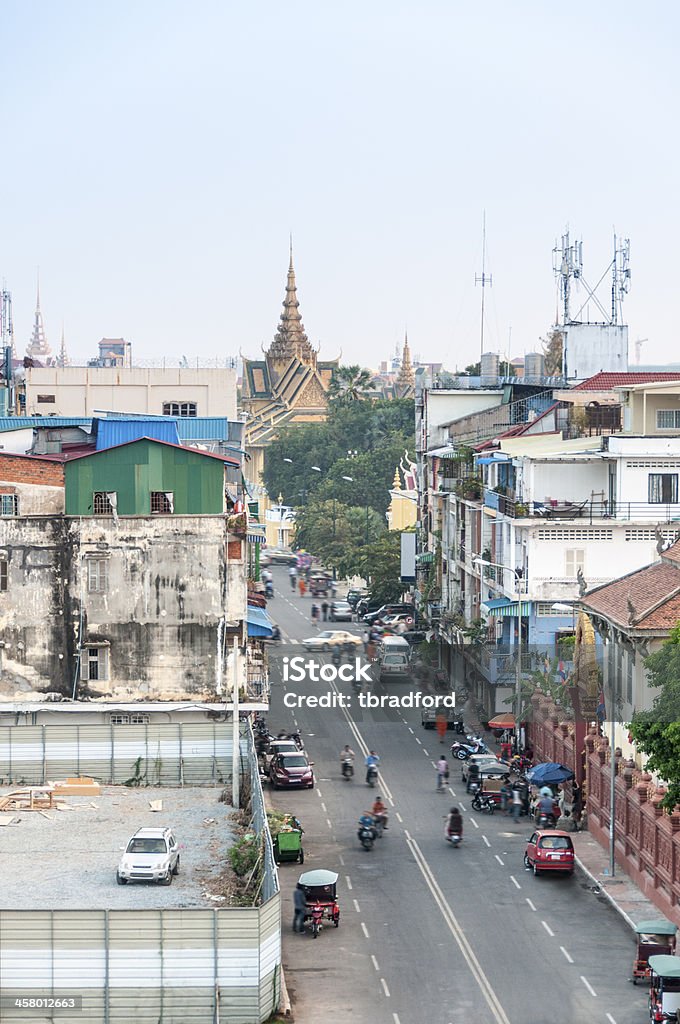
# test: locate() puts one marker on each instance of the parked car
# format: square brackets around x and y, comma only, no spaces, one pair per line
[331,638]
[340,611]
[414,636]
[291,770]
[392,621]
[151,855]
[354,595]
[550,850]
[388,609]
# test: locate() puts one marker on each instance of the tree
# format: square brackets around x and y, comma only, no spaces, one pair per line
[337,533]
[350,384]
[380,564]
[553,352]
[657,732]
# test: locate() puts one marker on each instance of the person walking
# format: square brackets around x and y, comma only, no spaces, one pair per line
[441,726]
[315,614]
[442,773]
[324,610]
[302,587]
[292,576]
[300,905]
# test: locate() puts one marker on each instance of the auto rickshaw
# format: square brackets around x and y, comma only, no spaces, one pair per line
[322,904]
[664,988]
[654,938]
[319,585]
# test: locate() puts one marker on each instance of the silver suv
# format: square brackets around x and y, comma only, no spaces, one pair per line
[152,855]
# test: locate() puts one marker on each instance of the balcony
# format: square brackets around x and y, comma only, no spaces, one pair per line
[590,511]
[498,664]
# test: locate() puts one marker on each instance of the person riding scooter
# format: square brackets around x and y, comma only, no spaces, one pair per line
[347,756]
[379,812]
[546,811]
[454,825]
[367,832]
[372,762]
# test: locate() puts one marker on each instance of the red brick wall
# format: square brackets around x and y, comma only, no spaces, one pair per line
[15,469]
[234,551]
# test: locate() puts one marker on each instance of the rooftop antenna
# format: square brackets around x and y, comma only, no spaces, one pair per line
[620,277]
[638,349]
[483,279]
[567,266]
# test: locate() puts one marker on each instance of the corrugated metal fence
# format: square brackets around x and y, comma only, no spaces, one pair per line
[194,966]
[167,754]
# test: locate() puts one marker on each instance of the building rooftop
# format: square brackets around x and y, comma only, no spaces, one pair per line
[647,600]
[605,381]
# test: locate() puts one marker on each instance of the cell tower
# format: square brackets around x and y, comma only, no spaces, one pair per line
[483,279]
[567,266]
[6,322]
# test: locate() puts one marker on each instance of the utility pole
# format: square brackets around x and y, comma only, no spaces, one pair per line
[483,279]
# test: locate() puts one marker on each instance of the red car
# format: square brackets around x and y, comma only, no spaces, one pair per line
[292,770]
[550,850]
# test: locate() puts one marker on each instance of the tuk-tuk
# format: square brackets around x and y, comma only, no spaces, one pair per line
[320,889]
[664,988]
[654,938]
[319,585]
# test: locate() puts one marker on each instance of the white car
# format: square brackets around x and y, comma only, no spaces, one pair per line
[152,855]
[331,638]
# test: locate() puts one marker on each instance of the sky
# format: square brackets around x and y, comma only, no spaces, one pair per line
[157,156]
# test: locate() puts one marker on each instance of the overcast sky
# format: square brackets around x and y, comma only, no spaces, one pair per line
[156,155]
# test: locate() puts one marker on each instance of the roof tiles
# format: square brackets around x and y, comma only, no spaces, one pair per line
[605,381]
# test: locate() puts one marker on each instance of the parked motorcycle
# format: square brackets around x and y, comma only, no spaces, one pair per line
[317,920]
[347,770]
[462,749]
[483,803]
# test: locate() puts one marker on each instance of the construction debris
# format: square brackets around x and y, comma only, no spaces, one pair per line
[156,805]
[76,787]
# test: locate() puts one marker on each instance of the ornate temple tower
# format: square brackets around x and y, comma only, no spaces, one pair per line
[62,358]
[290,340]
[37,347]
[407,376]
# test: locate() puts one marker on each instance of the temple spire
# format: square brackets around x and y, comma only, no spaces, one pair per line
[62,358]
[37,347]
[290,340]
[407,377]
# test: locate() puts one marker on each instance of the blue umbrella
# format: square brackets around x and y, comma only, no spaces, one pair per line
[550,774]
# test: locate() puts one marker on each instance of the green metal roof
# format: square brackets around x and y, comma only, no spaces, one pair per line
[658,927]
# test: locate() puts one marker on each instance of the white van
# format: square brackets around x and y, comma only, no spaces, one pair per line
[394,658]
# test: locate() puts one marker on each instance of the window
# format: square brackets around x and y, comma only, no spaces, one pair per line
[663,488]
[668,419]
[574,559]
[46,399]
[544,609]
[104,502]
[3,574]
[135,719]
[163,502]
[179,408]
[97,575]
[94,663]
[9,504]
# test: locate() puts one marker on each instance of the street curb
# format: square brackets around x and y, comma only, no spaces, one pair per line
[610,899]
[284,1006]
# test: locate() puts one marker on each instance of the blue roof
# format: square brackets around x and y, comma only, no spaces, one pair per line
[204,428]
[259,623]
[24,422]
[112,432]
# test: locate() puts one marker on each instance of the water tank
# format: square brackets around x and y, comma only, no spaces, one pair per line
[490,367]
[534,365]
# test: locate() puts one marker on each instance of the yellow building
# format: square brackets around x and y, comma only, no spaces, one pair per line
[403,511]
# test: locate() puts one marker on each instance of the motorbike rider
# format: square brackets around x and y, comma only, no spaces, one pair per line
[366,822]
[379,812]
[546,806]
[292,576]
[336,654]
[454,823]
[372,761]
[347,756]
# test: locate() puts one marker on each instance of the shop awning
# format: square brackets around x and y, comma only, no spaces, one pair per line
[425,557]
[504,721]
[256,534]
[503,606]
[487,460]
[259,623]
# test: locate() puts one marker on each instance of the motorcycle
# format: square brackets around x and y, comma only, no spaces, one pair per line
[462,749]
[347,769]
[483,803]
[545,820]
[269,589]
[317,920]
[367,834]
[357,685]
[452,837]
[372,775]
[297,740]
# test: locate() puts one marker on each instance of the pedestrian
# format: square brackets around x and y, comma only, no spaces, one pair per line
[516,803]
[441,726]
[324,610]
[442,773]
[506,792]
[300,904]
[577,806]
[302,587]
[315,613]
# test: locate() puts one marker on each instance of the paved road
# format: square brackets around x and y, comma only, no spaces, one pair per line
[432,933]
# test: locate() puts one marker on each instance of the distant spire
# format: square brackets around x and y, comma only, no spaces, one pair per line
[407,377]
[290,340]
[62,358]
[396,483]
[37,347]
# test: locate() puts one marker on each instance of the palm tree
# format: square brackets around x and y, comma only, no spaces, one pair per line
[350,384]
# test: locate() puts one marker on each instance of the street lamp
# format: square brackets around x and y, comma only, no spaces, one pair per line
[518,668]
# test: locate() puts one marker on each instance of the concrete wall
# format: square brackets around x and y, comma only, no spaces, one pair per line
[173,583]
[84,390]
[590,348]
